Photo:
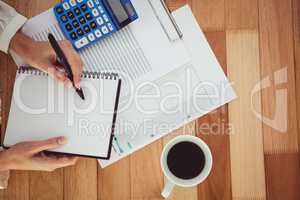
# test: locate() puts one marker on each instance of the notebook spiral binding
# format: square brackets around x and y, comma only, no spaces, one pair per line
[85,74]
[100,75]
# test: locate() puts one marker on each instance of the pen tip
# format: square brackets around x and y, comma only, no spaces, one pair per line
[80,93]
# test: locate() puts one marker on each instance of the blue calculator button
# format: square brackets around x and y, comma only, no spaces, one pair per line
[82,20]
[80,32]
[95,12]
[81,43]
[69,27]
[73,35]
[77,11]
[104,29]
[91,37]
[79,1]
[73,3]
[110,26]
[75,23]
[90,3]
[98,33]
[100,21]
[71,15]
[101,9]
[96,2]
[88,16]
[93,25]
[64,18]
[59,9]
[86,29]
[105,18]
[84,7]
[66,6]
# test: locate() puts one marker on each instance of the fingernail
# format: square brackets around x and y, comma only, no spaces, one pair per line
[77,85]
[62,140]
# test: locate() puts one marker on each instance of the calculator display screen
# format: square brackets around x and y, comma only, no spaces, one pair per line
[118,10]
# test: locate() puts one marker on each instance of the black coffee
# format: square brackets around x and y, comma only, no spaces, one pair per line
[186,160]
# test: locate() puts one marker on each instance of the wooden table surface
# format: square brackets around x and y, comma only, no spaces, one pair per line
[255,148]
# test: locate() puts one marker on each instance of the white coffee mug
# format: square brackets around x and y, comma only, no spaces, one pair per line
[172,180]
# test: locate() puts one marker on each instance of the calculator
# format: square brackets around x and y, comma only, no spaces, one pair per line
[85,22]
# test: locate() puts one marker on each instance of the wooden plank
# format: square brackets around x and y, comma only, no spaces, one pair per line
[241,14]
[175,4]
[80,181]
[277,58]
[282,176]
[46,186]
[36,7]
[145,171]
[18,184]
[19,181]
[18,187]
[296,20]
[214,130]
[277,64]
[180,193]
[209,14]
[114,182]
[246,139]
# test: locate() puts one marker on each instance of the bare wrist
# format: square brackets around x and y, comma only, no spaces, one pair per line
[4,162]
[22,45]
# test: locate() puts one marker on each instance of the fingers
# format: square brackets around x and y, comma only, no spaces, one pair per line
[38,146]
[55,162]
[55,73]
[74,61]
[52,161]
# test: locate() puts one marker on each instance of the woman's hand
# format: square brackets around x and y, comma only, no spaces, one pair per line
[30,156]
[41,56]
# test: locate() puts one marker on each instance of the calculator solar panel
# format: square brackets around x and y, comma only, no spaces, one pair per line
[85,22]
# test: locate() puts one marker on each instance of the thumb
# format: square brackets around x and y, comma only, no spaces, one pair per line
[38,146]
[77,79]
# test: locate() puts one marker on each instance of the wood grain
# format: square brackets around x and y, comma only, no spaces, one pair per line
[46,186]
[296,20]
[281,147]
[282,176]
[175,4]
[246,140]
[276,47]
[18,183]
[145,172]
[241,14]
[210,14]
[18,187]
[213,129]
[80,181]
[114,182]
[178,192]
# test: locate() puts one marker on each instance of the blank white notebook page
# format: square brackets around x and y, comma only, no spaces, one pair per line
[43,108]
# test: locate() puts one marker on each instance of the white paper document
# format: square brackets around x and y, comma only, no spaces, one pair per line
[191,91]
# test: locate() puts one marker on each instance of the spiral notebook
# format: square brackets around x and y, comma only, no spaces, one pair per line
[43,108]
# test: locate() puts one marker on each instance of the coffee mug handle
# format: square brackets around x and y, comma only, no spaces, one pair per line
[167,189]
